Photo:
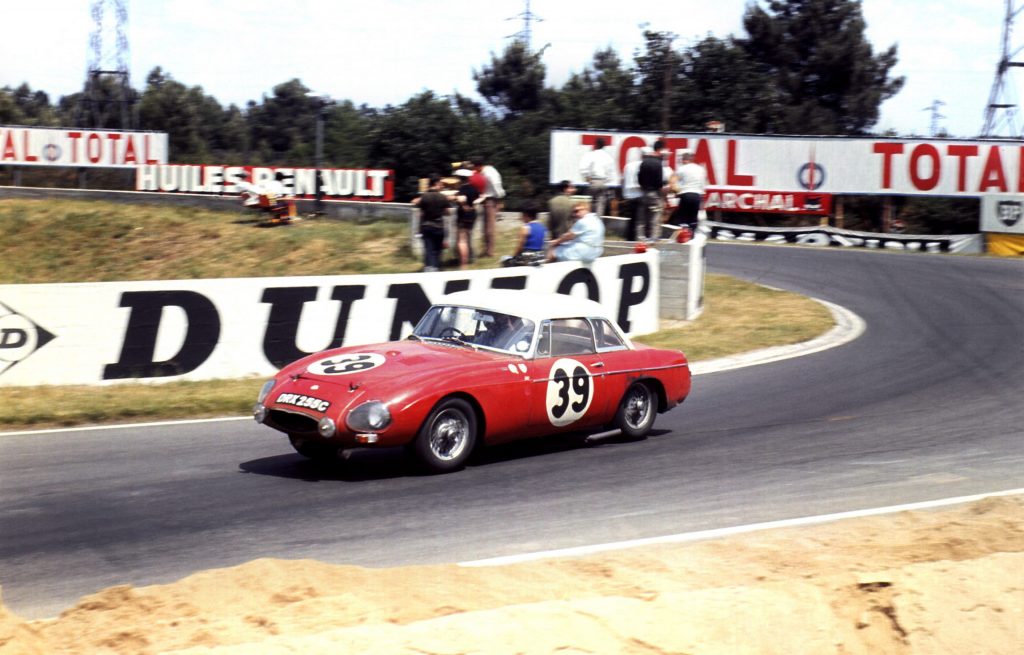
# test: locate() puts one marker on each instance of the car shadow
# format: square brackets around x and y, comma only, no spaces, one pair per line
[550,445]
[358,466]
[366,465]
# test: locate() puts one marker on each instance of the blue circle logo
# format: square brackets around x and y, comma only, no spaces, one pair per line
[811,176]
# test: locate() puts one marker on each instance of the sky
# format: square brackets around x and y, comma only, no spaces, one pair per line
[381,52]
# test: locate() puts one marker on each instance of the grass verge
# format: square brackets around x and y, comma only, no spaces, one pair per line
[95,241]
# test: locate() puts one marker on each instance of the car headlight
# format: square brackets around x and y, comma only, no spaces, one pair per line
[265,391]
[326,428]
[259,412]
[369,417]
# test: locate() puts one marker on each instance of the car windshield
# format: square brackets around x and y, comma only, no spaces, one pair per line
[477,327]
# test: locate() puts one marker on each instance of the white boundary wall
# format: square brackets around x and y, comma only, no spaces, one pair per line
[107,332]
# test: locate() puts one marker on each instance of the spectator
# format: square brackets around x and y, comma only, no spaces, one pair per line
[692,179]
[652,178]
[465,216]
[492,195]
[560,209]
[598,170]
[530,249]
[432,204]
[631,192]
[583,242]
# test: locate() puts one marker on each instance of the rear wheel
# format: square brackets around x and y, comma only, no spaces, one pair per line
[636,413]
[313,450]
[447,437]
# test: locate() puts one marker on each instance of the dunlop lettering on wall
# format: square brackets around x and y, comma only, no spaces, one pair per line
[96,333]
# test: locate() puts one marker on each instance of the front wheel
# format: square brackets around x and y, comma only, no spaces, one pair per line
[447,437]
[635,416]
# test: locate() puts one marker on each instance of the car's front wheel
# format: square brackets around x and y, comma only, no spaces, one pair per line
[636,413]
[316,451]
[447,437]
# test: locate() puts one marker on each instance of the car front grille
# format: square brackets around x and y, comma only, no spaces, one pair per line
[292,423]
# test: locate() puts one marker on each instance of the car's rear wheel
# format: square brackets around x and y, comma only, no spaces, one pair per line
[311,449]
[447,437]
[637,411]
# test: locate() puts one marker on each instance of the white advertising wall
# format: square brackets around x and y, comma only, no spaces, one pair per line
[96,333]
[80,147]
[851,165]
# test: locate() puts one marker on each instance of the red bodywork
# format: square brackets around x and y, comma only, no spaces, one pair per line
[514,398]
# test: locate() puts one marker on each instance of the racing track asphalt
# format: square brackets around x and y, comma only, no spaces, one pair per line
[926,404]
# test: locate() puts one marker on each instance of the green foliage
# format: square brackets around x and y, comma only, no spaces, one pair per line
[514,82]
[828,79]
[803,66]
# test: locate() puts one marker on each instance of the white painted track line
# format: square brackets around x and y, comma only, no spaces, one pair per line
[704,535]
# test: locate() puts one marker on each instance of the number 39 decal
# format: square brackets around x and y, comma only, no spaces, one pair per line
[345,364]
[570,390]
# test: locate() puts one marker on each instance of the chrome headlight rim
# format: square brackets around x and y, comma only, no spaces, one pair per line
[265,391]
[326,427]
[370,416]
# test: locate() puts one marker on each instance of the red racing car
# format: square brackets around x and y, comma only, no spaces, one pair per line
[479,368]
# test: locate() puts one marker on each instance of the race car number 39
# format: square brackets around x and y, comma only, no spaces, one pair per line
[346,364]
[570,391]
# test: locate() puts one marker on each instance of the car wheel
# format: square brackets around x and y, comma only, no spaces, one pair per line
[447,437]
[635,416]
[313,450]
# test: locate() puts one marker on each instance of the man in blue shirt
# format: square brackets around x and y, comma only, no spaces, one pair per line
[583,242]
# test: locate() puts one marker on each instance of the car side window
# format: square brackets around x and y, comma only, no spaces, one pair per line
[606,336]
[544,340]
[571,336]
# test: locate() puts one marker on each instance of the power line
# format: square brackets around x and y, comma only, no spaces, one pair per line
[525,35]
[107,84]
[1002,100]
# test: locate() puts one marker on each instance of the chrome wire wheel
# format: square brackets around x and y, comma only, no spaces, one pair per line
[449,434]
[635,416]
[639,405]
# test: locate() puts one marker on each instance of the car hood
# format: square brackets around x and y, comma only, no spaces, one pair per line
[400,363]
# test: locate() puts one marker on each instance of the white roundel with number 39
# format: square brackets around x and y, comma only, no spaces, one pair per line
[570,390]
[345,364]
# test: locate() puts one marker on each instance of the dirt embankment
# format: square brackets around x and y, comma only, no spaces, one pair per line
[948,581]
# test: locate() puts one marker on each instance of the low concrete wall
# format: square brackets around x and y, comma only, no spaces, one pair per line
[337,209]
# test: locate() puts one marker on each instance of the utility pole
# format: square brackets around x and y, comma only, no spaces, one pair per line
[107,88]
[525,35]
[934,109]
[1002,103]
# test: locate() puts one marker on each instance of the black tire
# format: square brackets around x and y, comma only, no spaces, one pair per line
[447,438]
[637,411]
[312,450]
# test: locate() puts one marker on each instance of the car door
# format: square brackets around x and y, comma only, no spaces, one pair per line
[568,382]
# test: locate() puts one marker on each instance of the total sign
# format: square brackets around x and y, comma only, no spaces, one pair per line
[821,165]
[80,147]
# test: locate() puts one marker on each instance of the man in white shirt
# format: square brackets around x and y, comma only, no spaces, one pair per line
[492,194]
[631,191]
[692,180]
[597,168]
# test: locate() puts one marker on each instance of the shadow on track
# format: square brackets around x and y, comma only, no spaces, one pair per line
[364,465]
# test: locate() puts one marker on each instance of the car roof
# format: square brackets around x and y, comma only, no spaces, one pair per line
[527,304]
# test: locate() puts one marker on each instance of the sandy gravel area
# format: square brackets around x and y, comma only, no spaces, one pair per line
[942,581]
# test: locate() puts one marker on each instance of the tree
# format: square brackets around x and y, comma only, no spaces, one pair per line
[602,96]
[723,84]
[196,124]
[816,54]
[514,82]
[416,139]
[659,82]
